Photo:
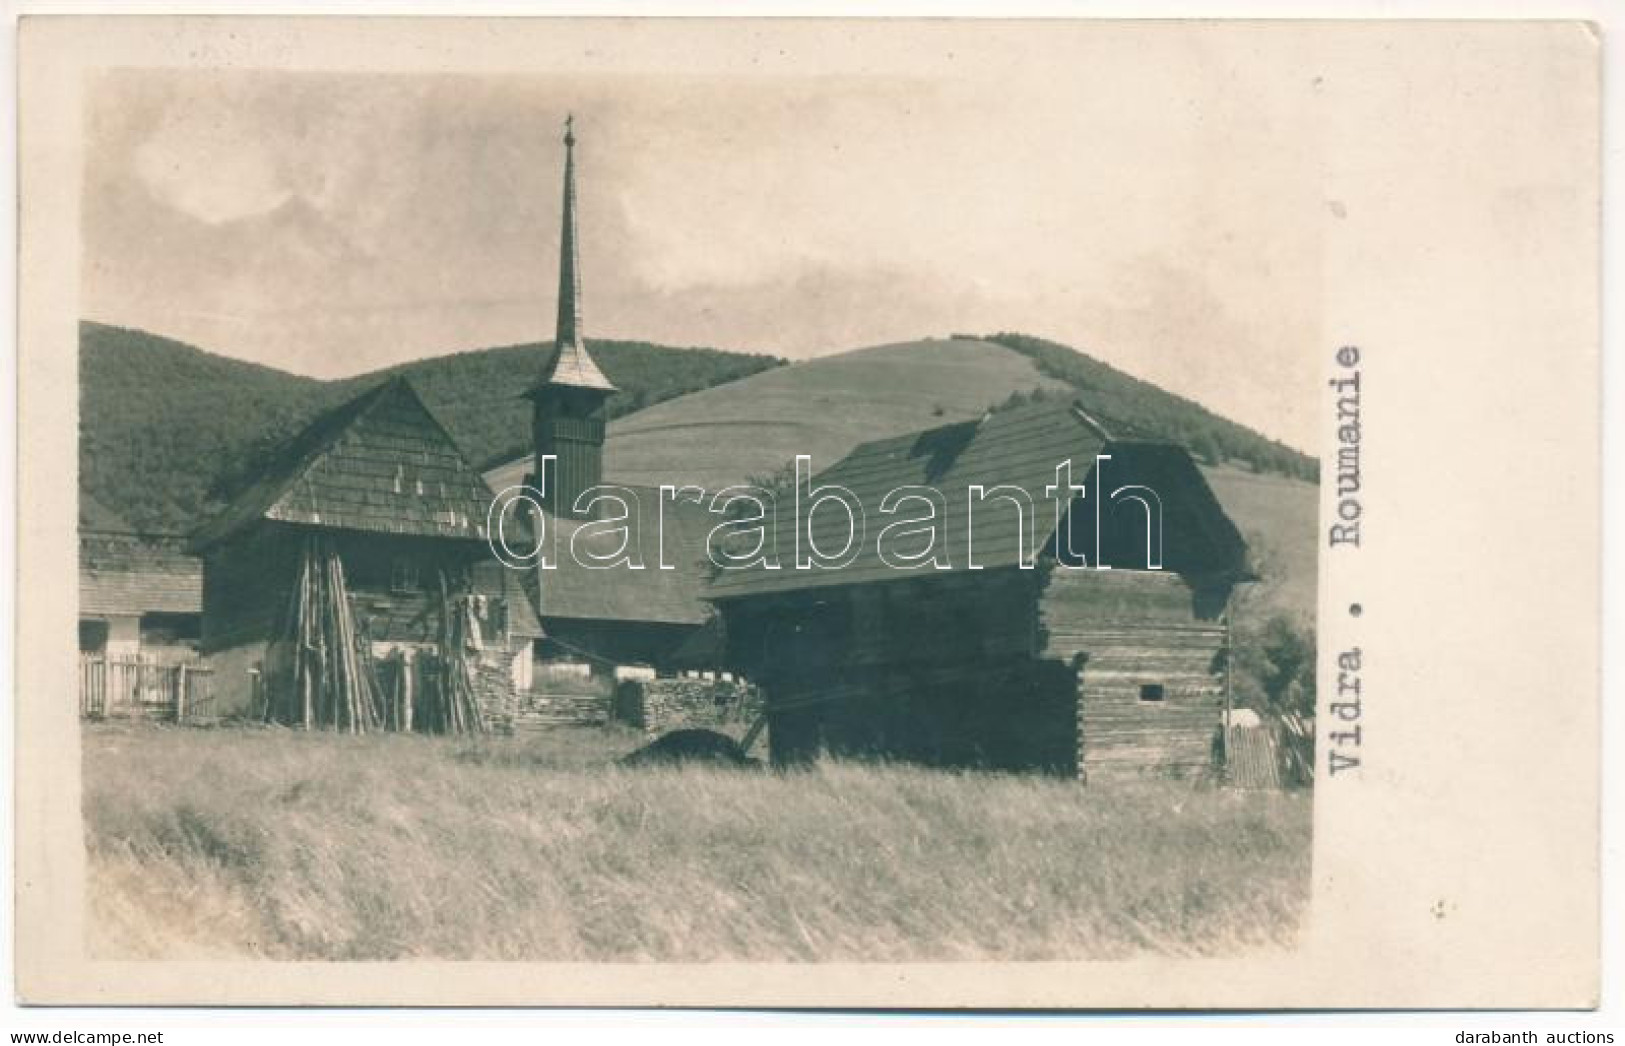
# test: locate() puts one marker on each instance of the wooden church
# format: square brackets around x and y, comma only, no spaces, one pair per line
[647,611]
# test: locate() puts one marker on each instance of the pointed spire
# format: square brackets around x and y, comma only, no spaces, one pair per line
[570,363]
[569,326]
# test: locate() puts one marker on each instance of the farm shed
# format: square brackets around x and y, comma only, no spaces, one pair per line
[372,507]
[976,660]
[140,593]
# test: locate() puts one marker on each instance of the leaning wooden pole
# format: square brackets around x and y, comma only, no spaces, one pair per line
[305,649]
[1229,695]
[330,681]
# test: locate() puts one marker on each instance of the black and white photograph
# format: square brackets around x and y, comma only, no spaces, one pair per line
[626,492]
[1018,663]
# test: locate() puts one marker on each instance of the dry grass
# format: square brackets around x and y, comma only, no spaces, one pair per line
[282,845]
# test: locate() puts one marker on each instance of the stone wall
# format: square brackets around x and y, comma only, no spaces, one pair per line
[494,688]
[659,706]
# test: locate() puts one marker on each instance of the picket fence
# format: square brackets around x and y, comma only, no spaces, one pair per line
[132,686]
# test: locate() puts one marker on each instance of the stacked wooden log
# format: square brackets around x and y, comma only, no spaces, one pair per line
[1254,759]
[1298,747]
[432,691]
[455,709]
[330,682]
[329,679]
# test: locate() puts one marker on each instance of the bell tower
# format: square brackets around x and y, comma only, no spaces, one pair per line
[567,418]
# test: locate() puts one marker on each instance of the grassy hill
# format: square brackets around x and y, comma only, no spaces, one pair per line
[1131,407]
[822,407]
[826,406]
[168,431]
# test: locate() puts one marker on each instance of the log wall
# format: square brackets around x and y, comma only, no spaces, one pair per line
[935,669]
[248,579]
[246,584]
[1008,669]
[1124,631]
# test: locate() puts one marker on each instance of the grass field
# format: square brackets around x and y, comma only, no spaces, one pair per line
[270,843]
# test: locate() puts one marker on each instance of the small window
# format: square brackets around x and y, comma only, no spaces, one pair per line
[403,576]
[1151,692]
[92,636]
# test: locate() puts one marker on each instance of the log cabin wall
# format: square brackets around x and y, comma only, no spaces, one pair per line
[1151,686]
[1050,669]
[393,582]
[247,580]
[932,669]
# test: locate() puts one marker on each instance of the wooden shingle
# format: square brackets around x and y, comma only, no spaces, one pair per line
[380,463]
[1020,448]
[126,572]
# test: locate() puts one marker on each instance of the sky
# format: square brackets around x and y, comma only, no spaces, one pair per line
[1156,206]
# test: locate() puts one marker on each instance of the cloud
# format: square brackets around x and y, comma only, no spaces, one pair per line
[328,223]
[202,161]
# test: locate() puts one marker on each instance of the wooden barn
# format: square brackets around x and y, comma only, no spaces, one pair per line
[971,659]
[373,509]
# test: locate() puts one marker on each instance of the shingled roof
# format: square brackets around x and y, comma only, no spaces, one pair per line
[620,593]
[122,571]
[572,366]
[380,463]
[1020,447]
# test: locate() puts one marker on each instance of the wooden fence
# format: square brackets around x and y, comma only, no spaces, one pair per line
[128,686]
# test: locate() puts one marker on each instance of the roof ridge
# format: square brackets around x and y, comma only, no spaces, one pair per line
[301,456]
[911,435]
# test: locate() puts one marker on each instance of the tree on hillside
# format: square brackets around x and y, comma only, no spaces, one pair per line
[1206,449]
[1138,409]
[169,433]
[1273,669]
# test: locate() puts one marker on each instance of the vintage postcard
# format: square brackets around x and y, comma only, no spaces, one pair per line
[728,512]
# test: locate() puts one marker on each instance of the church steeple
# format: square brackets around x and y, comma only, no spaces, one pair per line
[571,364]
[567,420]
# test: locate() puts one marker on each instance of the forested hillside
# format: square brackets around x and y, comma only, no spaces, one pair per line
[169,432]
[1131,407]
